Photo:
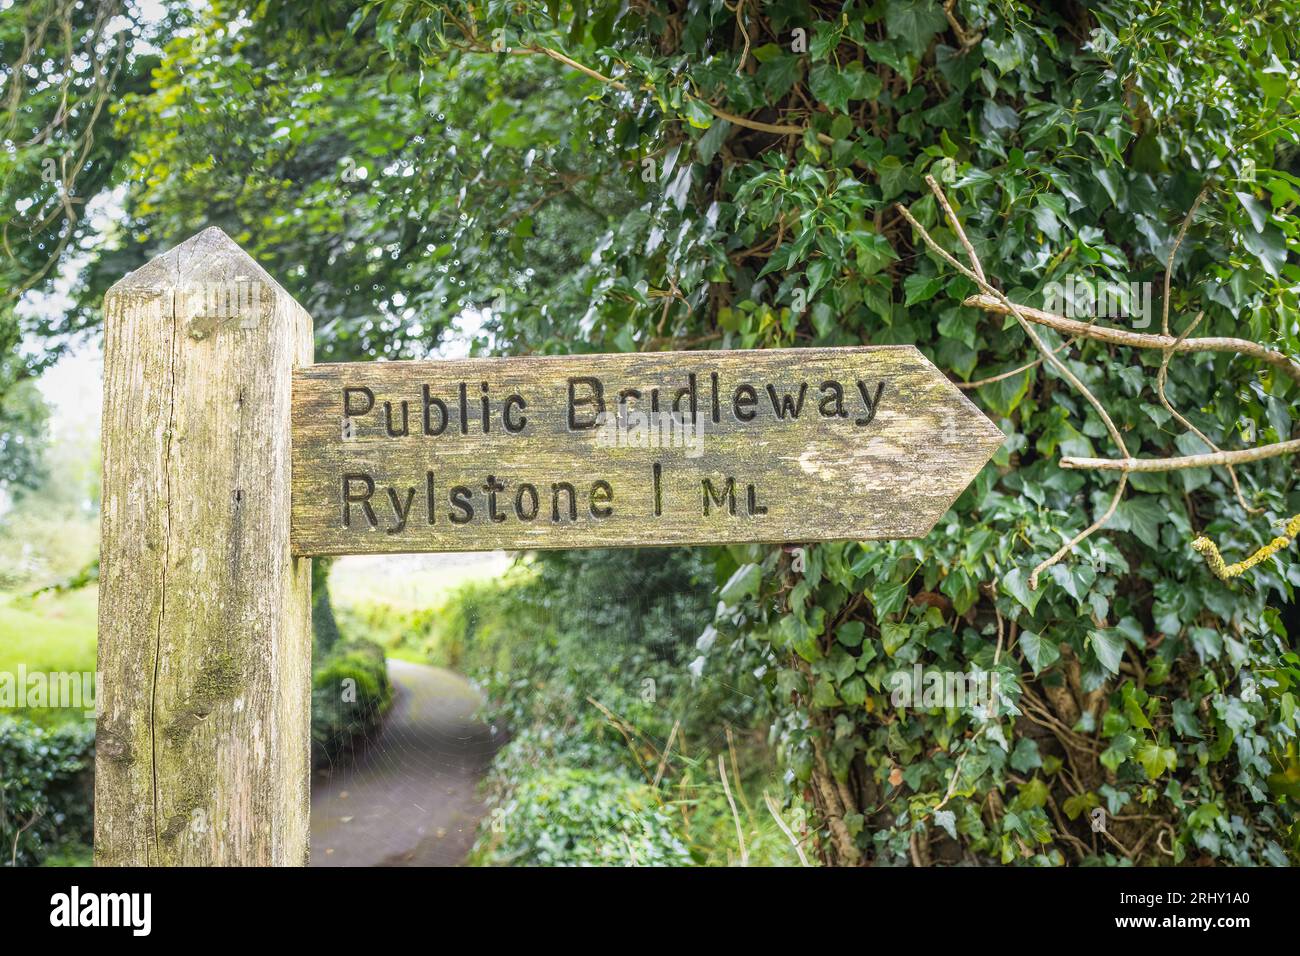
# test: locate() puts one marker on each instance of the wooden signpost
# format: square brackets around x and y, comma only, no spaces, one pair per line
[229,458]
[627,450]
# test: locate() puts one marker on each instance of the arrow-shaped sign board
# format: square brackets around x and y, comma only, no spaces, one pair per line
[780,445]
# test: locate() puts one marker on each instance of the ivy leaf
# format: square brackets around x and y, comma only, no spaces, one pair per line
[914,23]
[1269,247]
[743,583]
[854,691]
[1079,803]
[829,86]
[948,820]
[1033,794]
[888,599]
[697,113]
[777,76]
[850,634]
[1014,584]
[824,695]
[1144,515]
[920,288]
[1186,723]
[894,177]
[835,86]
[1155,759]
[1108,645]
[711,141]
[1026,756]
[1040,653]
[1121,745]
[1254,209]
[1207,642]
[894,636]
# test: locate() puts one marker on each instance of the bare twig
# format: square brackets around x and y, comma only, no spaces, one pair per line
[775,128]
[1012,307]
[1185,461]
[1173,252]
[1069,545]
[740,24]
[726,788]
[1015,371]
[1101,333]
[663,758]
[965,38]
[961,233]
[789,835]
[36,815]
[735,769]
[956,770]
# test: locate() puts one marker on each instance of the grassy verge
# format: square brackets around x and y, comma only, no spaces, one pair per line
[49,633]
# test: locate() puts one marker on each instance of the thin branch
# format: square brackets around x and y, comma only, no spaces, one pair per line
[726,788]
[1163,376]
[1015,371]
[1185,461]
[740,24]
[778,129]
[966,38]
[961,233]
[735,769]
[663,757]
[1069,545]
[574,64]
[1281,361]
[1169,264]
[789,835]
[774,128]
[1012,308]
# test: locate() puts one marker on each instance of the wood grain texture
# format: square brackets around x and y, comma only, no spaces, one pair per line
[202,747]
[860,469]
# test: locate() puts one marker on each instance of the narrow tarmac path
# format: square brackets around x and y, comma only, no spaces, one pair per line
[409,798]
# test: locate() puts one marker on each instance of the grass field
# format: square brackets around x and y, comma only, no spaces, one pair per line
[54,632]
[410,582]
[394,600]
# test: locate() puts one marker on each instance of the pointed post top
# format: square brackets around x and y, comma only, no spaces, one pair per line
[209,256]
[212,282]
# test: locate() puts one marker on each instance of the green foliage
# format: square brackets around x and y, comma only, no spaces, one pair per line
[324,626]
[49,535]
[23,417]
[584,662]
[617,626]
[350,694]
[473,623]
[347,182]
[573,817]
[45,790]
[61,64]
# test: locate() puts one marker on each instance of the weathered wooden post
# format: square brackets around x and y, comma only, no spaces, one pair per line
[202,751]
